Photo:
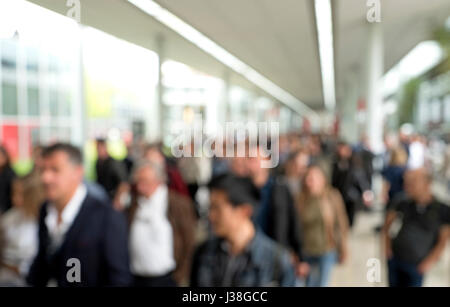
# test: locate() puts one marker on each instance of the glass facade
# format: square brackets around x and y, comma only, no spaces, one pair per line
[120,95]
[433,106]
[61,81]
[36,99]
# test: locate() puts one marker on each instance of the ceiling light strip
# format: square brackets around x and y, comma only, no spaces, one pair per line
[170,20]
[324,22]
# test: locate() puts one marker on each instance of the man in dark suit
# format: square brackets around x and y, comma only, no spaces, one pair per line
[82,240]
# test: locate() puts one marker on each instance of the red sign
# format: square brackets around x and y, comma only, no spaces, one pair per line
[10,140]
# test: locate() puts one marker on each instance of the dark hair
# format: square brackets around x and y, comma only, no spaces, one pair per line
[342,143]
[101,141]
[4,152]
[239,190]
[71,151]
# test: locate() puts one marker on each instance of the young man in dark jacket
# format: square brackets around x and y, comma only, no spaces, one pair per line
[239,255]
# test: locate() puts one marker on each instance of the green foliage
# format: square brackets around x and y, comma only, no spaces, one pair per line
[442,36]
[410,89]
[22,167]
[408,100]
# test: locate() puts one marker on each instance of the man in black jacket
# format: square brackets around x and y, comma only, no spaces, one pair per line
[111,175]
[350,179]
[82,239]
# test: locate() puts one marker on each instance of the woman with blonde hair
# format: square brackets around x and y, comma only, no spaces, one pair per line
[324,226]
[18,228]
[393,174]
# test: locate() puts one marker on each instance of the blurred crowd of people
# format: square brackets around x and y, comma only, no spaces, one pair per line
[153,220]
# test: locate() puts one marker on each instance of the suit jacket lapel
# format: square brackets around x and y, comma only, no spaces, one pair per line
[77,224]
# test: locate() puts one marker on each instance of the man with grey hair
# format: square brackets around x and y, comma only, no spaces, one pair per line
[82,239]
[162,229]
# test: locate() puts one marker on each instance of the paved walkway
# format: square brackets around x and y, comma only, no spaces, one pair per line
[365,244]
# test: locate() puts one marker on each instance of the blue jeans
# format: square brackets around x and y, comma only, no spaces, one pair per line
[320,269]
[402,274]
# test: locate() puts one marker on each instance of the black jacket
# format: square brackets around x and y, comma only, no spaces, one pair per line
[263,263]
[110,174]
[283,223]
[7,176]
[98,238]
[350,180]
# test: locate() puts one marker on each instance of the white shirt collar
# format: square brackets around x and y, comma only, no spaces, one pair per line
[68,214]
[157,202]
[151,236]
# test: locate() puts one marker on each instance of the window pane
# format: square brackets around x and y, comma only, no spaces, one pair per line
[33,101]
[59,134]
[32,59]
[9,95]
[35,135]
[8,54]
[64,134]
[65,104]
[53,64]
[447,109]
[54,102]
